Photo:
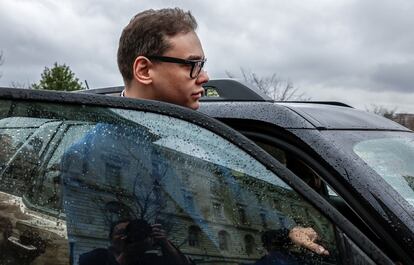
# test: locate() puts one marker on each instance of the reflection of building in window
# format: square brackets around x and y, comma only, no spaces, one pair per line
[215,187]
[224,239]
[219,202]
[249,243]
[217,209]
[189,201]
[115,211]
[157,192]
[186,180]
[112,174]
[263,218]
[194,234]
[276,204]
[242,214]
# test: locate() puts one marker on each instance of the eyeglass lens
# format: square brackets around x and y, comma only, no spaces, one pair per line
[196,69]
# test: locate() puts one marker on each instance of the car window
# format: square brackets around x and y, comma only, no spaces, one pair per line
[392,159]
[388,153]
[197,185]
[298,166]
[138,185]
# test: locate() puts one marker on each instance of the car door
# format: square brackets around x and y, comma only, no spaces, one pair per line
[143,181]
[314,170]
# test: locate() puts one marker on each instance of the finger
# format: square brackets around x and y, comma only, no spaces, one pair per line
[156,225]
[312,246]
[157,230]
[158,234]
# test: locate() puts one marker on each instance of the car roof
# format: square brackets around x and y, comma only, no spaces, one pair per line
[301,115]
[322,115]
[333,117]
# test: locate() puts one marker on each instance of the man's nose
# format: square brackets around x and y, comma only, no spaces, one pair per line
[202,77]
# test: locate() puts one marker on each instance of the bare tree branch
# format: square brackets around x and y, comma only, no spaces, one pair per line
[16,84]
[230,74]
[276,88]
[382,111]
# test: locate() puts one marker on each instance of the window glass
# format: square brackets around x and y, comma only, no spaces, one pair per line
[148,188]
[392,159]
[211,195]
[388,153]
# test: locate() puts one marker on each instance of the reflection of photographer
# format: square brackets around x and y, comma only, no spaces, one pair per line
[134,243]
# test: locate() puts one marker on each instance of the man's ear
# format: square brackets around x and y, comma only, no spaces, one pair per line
[141,69]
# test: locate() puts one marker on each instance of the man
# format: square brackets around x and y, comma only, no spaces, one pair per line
[131,244]
[161,58]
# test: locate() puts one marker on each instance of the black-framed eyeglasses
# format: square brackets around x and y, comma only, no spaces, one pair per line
[196,65]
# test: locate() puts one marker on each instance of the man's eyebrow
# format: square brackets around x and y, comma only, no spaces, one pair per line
[195,57]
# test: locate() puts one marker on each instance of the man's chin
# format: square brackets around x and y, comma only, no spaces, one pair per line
[194,105]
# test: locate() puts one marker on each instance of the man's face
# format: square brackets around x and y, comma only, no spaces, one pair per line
[118,235]
[172,82]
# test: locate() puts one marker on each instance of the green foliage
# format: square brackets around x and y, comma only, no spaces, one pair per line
[59,77]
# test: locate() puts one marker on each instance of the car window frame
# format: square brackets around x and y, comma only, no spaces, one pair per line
[221,130]
[318,167]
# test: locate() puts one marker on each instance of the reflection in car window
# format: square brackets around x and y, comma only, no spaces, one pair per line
[142,186]
[213,200]
[391,158]
[27,237]
[46,192]
[22,141]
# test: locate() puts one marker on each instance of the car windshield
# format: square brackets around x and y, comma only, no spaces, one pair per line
[390,154]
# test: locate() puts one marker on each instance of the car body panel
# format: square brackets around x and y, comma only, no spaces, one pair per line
[342,118]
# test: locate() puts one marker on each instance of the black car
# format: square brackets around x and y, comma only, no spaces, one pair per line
[73,165]
[360,162]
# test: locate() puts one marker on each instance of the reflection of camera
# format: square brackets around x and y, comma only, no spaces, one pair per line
[276,238]
[137,230]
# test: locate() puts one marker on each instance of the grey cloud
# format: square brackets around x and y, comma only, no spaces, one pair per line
[395,77]
[332,45]
[383,26]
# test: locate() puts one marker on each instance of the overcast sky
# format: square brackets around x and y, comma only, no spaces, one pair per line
[357,52]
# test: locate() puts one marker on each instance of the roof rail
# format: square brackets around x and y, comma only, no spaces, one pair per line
[104,91]
[333,103]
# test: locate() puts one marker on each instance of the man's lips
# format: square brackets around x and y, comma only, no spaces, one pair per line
[197,95]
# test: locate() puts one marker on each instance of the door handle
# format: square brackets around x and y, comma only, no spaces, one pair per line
[16,243]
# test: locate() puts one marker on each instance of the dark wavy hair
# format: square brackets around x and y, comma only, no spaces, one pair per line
[145,35]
